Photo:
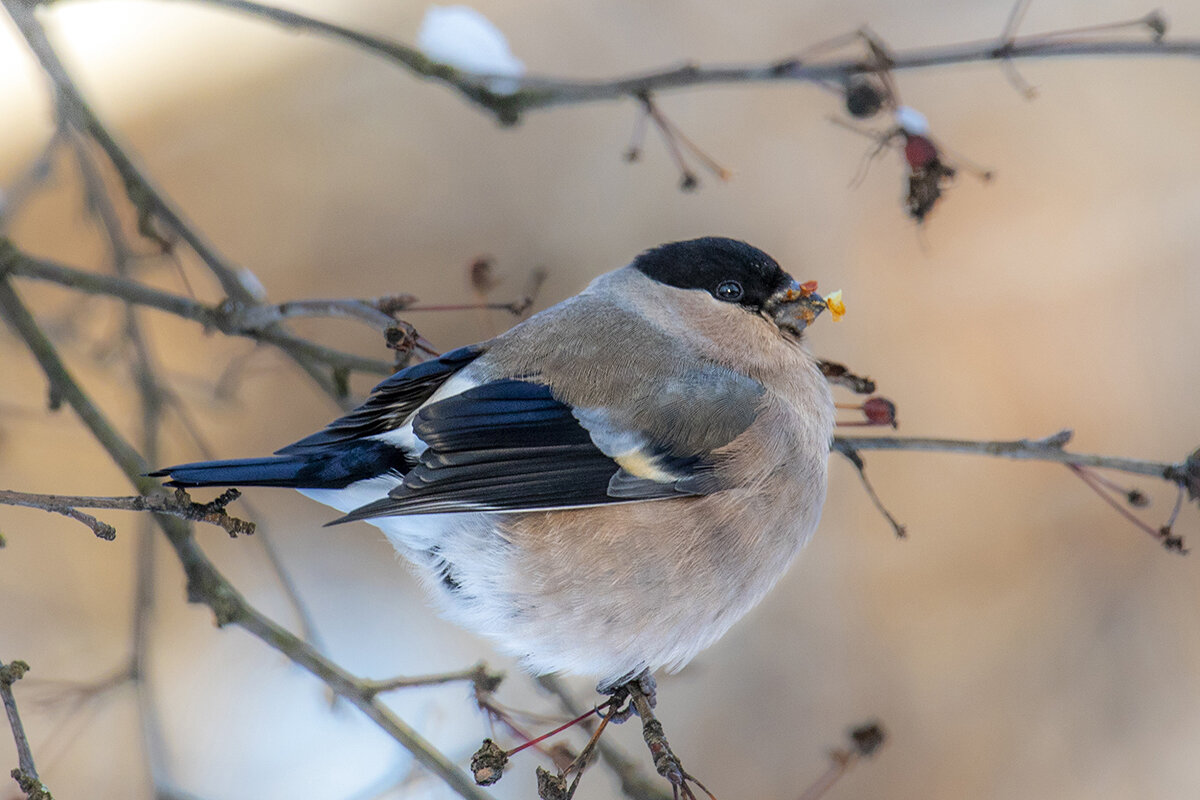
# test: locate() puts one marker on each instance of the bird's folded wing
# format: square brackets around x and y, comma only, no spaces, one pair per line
[512,445]
[390,405]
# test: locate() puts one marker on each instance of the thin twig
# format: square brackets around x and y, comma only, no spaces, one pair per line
[1185,475]
[483,679]
[540,92]
[860,466]
[1162,535]
[102,529]
[1015,16]
[840,375]
[30,179]
[176,505]
[26,774]
[1047,449]
[254,322]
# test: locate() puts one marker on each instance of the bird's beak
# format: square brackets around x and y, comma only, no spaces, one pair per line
[795,307]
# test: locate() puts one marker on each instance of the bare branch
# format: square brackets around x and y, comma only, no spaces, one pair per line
[205,583]
[155,209]
[861,467]
[1047,449]
[176,505]
[367,311]
[49,502]
[253,322]
[534,93]
[25,774]
[483,679]
[29,180]
[1015,17]
[517,307]
[1185,475]
[150,201]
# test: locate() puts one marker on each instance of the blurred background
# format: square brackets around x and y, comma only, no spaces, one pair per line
[1024,641]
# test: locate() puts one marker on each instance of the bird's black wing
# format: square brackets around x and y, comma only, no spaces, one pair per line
[344,452]
[390,404]
[511,445]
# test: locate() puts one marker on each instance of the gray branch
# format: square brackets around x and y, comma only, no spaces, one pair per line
[176,505]
[25,774]
[1047,449]
[534,93]
[255,321]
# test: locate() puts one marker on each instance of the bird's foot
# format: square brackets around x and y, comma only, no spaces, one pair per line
[640,696]
[620,695]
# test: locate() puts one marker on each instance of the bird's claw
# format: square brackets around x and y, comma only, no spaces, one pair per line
[620,696]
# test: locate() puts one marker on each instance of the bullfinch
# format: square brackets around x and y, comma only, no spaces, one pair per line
[608,486]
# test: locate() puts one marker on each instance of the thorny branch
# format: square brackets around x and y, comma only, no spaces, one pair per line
[25,774]
[534,93]
[177,504]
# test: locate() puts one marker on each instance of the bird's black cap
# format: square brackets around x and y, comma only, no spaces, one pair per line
[709,264]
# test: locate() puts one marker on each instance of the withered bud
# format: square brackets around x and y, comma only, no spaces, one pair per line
[1157,24]
[487,765]
[1173,544]
[863,97]
[551,786]
[868,738]
[481,276]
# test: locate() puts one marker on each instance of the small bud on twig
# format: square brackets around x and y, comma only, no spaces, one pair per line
[487,765]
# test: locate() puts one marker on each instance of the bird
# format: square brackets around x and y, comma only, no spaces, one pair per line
[608,486]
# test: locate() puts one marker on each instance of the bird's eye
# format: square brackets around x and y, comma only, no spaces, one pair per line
[729,291]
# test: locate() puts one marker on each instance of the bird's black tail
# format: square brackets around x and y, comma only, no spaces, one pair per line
[334,468]
[274,471]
